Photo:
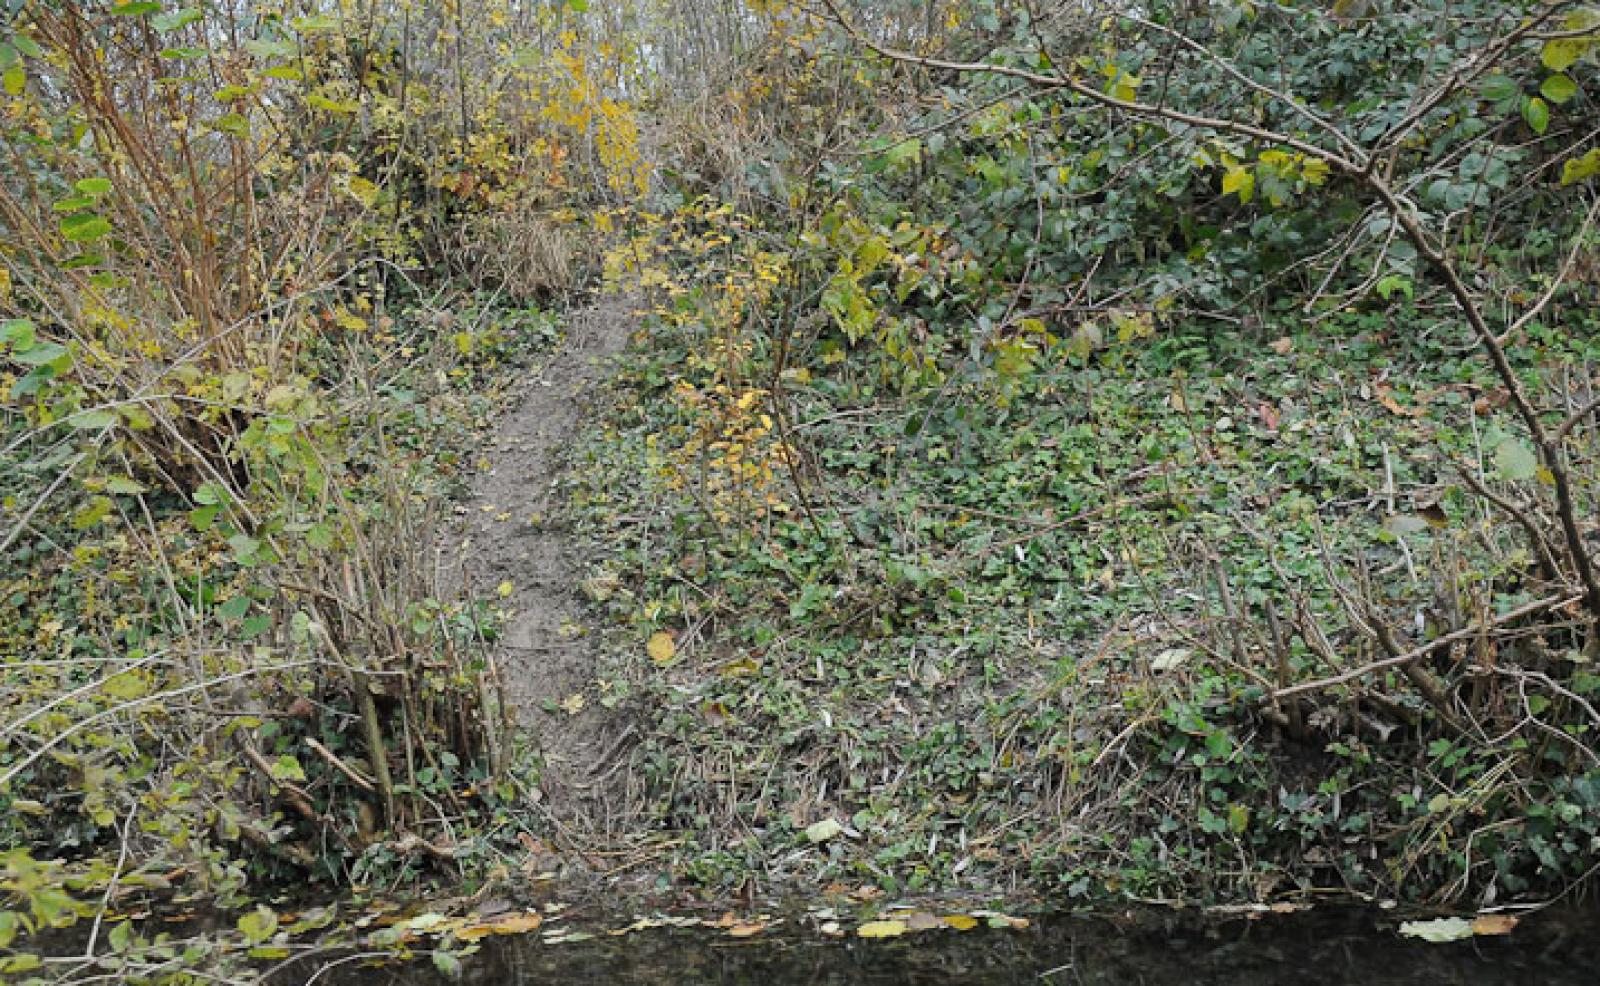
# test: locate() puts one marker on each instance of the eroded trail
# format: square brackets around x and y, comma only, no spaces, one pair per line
[507,537]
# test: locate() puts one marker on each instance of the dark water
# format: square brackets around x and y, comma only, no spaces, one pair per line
[1359,949]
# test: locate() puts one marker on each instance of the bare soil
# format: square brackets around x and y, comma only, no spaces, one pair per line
[509,533]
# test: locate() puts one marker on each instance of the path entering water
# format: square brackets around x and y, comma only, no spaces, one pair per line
[507,545]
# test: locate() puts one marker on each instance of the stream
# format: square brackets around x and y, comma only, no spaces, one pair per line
[1324,948]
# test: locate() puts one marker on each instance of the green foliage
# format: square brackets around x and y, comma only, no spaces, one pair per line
[1080,402]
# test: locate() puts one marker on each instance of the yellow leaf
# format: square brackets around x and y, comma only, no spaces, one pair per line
[1240,181]
[504,589]
[961,922]
[881,929]
[513,924]
[661,647]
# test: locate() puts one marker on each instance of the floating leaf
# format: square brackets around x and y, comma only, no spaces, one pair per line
[1493,924]
[510,924]
[426,921]
[1438,930]
[448,965]
[881,929]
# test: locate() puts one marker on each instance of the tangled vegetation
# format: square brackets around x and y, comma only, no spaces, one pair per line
[1070,451]
[1133,454]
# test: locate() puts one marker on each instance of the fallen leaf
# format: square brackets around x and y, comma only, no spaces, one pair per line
[1282,346]
[661,647]
[511,924]
[960,922]
[747,929]
[1386,398]
[573,704]
[823,831]
[881,929]
[923,921]
[1269,416]
[1438,930]
[1169,660]
[739,668]
[1493,924]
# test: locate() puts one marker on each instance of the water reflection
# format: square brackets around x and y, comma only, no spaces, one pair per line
[1315,950]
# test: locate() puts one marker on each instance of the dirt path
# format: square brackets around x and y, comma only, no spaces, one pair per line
[505,536]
